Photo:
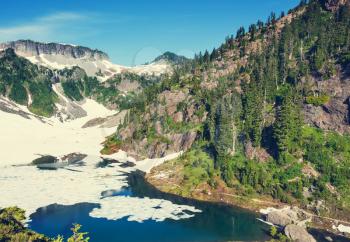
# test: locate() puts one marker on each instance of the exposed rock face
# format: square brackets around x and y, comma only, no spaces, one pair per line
[297,233]
[333,115]
[281,218]
[256,153]
[143,149]
[334,5]
[172,118]
[287,215]
[32,48]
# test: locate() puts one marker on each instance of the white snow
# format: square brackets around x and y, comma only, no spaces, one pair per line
[22,140]
[147,164]
[92,66]
[342,228]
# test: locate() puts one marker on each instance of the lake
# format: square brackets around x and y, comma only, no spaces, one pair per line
[215,223]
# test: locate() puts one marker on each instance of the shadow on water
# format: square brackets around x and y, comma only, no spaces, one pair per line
[215,223]
[322,235]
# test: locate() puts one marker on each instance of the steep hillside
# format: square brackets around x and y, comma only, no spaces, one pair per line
[268,110]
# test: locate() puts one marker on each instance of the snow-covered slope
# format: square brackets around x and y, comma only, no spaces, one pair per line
[25,137]
[94,62]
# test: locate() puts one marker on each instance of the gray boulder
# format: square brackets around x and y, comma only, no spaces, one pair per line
[298,234]
[280,218]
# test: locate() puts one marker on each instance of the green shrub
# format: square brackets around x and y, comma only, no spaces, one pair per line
[18,93]
[71,90]
[317,100]
[43,99]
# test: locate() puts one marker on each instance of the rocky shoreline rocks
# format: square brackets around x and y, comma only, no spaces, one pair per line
[294,221]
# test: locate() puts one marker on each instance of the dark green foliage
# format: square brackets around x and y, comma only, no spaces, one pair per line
[12,228]
[18,93]
[72,90]
[19,78]
[2,89]
[252,112]
[240,33]
[223,124]
[287,127]
[43,99]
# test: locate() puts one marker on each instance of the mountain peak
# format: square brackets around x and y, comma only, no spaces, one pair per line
[171,58]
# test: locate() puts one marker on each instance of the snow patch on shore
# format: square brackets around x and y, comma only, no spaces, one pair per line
[342,228]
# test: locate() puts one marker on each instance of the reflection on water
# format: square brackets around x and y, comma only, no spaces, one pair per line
[215,223]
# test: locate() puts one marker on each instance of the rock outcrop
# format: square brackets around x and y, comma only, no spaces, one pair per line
[282,218]
[333,115]
[297,233]
[32,48]
[172,118]
[334,5]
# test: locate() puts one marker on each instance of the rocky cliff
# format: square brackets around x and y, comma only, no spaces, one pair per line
[32,48]
[169,125]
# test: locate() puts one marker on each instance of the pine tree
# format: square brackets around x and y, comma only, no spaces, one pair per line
[253,108]
[287,127]
[240,33]
[225,131]
[206,57]
[252,31]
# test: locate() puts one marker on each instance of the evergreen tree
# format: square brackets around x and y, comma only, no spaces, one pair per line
[227,112]
[240,33]
[287,127]
[252,31]
[252,111]
[206,57]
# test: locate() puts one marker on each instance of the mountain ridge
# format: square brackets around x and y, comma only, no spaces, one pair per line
[37,48]
[94,62]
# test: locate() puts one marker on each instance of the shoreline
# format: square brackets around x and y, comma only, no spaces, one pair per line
[256,206]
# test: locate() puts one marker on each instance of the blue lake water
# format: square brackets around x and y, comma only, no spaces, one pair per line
[214,223]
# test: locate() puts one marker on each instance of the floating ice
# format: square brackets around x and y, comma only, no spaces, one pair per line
[31,188]
[141,209]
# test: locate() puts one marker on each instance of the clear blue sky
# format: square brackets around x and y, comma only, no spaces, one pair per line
[133,31]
